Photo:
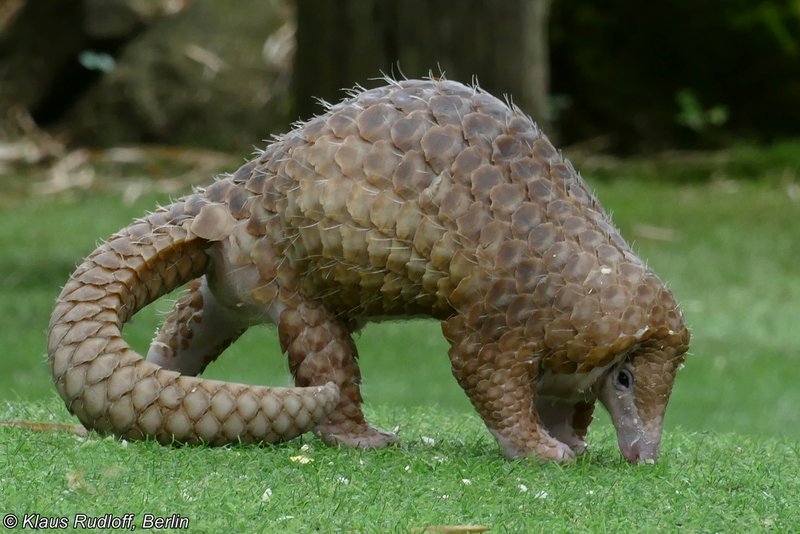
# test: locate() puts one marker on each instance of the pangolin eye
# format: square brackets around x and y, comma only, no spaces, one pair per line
[623,380]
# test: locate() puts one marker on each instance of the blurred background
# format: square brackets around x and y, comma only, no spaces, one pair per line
[683,115]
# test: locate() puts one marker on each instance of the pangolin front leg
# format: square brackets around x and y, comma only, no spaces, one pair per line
[320,350]
[500,384]
[196,332]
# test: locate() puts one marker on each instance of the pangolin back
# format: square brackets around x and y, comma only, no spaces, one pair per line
[434,198]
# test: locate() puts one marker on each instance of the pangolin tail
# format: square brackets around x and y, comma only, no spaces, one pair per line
[112,389]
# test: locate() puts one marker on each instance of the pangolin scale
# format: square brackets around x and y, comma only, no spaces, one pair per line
[419,198]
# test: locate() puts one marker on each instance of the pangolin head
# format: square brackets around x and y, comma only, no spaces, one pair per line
[636,392]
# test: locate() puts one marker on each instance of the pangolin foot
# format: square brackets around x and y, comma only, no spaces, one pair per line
[541,447]
[559,452]
[579,447]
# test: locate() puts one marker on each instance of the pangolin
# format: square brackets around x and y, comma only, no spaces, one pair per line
[422,198]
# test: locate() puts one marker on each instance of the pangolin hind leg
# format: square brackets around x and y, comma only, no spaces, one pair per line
[566,421]
[201,326]
[581,419]
[320,350]
[196,332]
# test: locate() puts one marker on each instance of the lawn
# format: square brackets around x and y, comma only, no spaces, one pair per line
[450,472]
[723,232]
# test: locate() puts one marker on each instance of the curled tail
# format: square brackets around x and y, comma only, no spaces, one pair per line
[112,389]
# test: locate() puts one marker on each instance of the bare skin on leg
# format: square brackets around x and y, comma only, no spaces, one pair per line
[566,421]
[320,347]
[196,332]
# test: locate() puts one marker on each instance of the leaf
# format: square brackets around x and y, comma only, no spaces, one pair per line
[78,430]
[452,528]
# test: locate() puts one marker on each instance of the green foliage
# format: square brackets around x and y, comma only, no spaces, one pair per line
[777,164]
[623,63]
[693,116]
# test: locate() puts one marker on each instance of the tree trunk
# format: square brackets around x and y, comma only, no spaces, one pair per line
[47,48]
[502,45]
[536,62]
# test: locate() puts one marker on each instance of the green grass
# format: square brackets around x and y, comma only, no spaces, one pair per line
[728,248]
[449,472]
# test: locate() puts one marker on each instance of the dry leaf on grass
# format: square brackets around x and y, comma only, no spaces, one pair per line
[453,529]
[78,430]
[76,482]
